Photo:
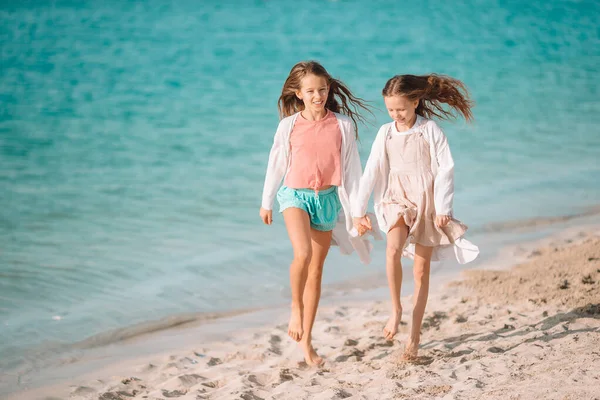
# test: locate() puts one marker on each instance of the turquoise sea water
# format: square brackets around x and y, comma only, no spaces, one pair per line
[134,137]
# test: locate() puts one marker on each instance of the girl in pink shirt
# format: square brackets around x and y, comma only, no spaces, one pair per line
[315,151]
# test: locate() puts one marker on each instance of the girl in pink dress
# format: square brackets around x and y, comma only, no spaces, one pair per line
[411,172]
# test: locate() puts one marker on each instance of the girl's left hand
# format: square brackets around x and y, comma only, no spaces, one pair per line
[442,220]
[362,224]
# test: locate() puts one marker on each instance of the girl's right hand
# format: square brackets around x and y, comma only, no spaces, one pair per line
[266,216]
[362,224]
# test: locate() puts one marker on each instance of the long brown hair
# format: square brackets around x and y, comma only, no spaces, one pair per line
[432,91]
[289,104]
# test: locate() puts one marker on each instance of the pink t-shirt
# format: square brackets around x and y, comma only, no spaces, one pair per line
[315,153]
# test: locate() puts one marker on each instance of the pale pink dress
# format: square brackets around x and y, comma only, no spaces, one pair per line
[409,193]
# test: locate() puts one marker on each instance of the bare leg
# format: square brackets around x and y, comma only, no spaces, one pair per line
[422,268]
[393,266]
[321,242]
[298,226]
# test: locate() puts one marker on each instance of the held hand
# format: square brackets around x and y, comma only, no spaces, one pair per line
[442,220]
[362,224]
[358,226]
[266,216]
[366,221]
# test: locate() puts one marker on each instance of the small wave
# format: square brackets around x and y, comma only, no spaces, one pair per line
[144,328]
[538,222]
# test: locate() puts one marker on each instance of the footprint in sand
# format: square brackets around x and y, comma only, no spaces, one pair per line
[127,381]
[212,384]
[120,395]
[129,387]
[275,342]
[381,343]
[460,319]
[214,361]
[190,380]
[250,396]
[496,350]
[435,320]
[460,353]
[258,379]
[173,393]
[358,354]
[285,375]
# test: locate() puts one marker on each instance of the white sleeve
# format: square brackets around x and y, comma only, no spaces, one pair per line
[444,180]
[352,167]
[275,169]
[370,176]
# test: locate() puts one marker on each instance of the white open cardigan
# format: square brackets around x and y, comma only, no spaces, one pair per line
[344,234]
[375,179]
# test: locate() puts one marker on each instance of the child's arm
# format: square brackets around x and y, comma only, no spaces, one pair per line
[352,166]
[353,172]
[444,180]
[370,175]
[275,172]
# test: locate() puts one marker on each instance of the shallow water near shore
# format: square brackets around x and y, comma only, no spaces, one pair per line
[134,138]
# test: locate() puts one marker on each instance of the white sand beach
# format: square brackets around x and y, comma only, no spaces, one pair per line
[528,332]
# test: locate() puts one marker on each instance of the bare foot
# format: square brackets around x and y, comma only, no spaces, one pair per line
[310,355]
[411,351]
[295,326]
[391,328]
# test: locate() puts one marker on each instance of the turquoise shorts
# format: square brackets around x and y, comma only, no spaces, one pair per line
[322,208]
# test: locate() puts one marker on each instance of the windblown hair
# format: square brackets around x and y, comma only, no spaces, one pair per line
[432,91]
[340,99]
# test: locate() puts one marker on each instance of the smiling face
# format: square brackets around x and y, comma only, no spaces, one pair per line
[313,92]
[401,110]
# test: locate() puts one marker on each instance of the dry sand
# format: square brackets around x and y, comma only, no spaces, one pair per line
[530,332]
